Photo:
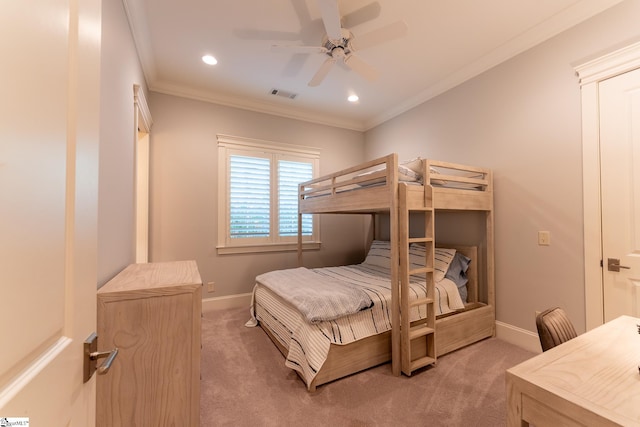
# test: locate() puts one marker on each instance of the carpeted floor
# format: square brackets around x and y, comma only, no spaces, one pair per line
[245,383]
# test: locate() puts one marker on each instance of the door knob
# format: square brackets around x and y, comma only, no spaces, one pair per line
[91,356]
[613,264]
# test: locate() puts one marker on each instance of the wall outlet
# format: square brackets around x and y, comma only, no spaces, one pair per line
[544,238]
[211,287]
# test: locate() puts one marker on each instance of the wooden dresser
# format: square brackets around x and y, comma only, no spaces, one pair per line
[152,314]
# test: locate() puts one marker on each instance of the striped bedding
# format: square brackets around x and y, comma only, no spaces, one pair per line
[309,344]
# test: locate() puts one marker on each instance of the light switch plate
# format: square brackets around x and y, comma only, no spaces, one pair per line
[544,238]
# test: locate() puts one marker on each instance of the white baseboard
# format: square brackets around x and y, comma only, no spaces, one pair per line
[229,301]
[517,336]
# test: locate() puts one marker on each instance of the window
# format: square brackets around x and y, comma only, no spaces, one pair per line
[258,195]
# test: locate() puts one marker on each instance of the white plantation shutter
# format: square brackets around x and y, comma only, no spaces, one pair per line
[290,174]
[258,195]
[249,197]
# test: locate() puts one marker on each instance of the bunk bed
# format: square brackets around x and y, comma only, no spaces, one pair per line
[400,190]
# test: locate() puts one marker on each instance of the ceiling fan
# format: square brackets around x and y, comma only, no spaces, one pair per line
[339,43]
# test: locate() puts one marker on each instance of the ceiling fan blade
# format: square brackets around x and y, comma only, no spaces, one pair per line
[379,36]
[362,15]
[248,34]
[359,66]
[331,18]
[297,49]
[322,72]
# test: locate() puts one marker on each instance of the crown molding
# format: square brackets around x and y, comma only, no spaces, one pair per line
[137,19]
[258,106]
[569,17]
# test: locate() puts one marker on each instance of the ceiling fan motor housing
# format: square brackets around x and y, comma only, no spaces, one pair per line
[342,43]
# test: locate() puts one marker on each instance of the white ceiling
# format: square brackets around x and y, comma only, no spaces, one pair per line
[448,42]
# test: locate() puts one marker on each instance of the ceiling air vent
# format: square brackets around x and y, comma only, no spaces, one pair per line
[283,93]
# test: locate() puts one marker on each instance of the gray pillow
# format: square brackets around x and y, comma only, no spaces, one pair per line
[457,273]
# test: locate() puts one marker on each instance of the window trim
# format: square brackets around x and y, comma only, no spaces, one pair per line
[227,145]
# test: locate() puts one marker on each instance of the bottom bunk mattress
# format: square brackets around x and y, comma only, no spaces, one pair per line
[308,342]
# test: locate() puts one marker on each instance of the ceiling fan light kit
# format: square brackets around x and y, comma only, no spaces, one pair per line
[340,44]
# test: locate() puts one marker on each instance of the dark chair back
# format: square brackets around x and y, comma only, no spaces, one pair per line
[554,328]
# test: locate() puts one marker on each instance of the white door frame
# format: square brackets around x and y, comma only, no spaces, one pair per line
[142,128]
[591,73]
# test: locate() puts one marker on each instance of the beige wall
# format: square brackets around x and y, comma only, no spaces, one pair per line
[120,69]
[184,189]
[523,120]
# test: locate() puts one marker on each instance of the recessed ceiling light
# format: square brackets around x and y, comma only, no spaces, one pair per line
[210,60]
[353,98]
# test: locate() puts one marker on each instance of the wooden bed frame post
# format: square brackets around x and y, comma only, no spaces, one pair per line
[392,181]
[299,239]
[300,189]
[490,263]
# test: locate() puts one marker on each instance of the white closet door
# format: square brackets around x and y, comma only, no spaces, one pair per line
[620,177]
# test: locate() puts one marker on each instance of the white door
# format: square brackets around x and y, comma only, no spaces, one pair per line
[49,123]
[620,177]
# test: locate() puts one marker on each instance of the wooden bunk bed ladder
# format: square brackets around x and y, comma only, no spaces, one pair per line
[418,339]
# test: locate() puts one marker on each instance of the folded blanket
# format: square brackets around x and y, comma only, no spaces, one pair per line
[448,297]
[318,297]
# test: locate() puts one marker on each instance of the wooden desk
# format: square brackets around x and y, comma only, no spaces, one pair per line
[592,380]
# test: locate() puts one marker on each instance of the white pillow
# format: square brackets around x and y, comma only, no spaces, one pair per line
[442,259]
[413,164]
[379,254]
